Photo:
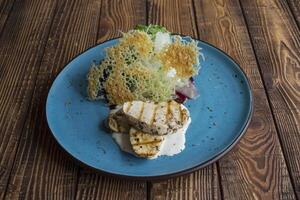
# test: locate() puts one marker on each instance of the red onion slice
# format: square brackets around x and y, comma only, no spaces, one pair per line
[190,91]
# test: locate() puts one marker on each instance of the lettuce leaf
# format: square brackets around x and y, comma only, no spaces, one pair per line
[151,29]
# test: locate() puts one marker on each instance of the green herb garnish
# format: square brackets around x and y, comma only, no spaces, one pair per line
[151,29]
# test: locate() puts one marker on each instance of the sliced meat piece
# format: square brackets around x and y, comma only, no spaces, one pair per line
[145,145]
[160,119]
[177,116]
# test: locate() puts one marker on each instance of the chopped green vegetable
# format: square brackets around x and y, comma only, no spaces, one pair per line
[151,29]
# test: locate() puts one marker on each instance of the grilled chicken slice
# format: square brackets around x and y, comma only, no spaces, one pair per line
[159,119]
[145,145]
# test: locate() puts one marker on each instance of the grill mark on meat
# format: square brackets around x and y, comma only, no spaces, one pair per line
[147,154]
[180,113]
[144,143]
[141,111]
[154,114]
[168,114]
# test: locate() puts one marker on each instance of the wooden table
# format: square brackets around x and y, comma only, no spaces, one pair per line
[38,37]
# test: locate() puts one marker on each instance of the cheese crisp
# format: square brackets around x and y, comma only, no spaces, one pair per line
[143,67]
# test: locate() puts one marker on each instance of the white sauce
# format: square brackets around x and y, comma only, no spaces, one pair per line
[173,143]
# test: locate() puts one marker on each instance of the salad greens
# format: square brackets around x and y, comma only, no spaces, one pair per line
[151,29]
[147,64]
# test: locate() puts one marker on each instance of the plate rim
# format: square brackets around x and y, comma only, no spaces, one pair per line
[168,175]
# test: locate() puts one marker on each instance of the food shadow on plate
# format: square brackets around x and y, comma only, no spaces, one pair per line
[79,83]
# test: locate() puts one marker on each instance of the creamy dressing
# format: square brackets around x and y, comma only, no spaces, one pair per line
[172,145]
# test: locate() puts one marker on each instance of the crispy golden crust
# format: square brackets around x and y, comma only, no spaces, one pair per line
[132,71]
[182,57]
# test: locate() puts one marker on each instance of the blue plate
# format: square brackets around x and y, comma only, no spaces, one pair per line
[220,117]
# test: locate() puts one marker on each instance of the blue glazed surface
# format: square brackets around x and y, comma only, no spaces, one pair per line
[219,117]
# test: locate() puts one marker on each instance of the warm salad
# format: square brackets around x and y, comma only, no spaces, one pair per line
[147,75]
[148,64]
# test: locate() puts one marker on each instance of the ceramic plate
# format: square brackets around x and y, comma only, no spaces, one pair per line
[220,117]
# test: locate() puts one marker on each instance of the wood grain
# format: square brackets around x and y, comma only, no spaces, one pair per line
[120,16]
[276,39]
[93,186]
[22,46]
[5,9]
[295,8]
[202,184]
[41,170]
[256,168]
[116,16]
[178,17]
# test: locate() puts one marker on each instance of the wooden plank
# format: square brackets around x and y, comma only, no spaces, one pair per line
[276,39]
[41,170]
[256,168]
[202,184]
[295,8]
[178,17]
[116,16]
[93,186]
[5,9]
[120,16]
[22,46]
